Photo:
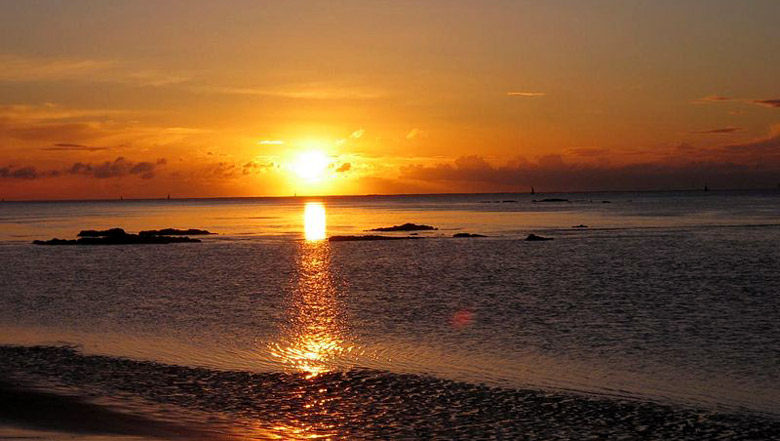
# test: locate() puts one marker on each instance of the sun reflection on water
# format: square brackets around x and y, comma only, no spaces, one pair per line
[313,340]
[314,221]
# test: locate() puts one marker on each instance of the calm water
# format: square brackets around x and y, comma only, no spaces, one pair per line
[661,318]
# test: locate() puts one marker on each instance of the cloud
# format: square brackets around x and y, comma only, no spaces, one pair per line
[310,91]
[271,142]
[721,131]
[68,147]
[526,94]
[357,134]
[37,69]
[772,102]
[754,164]
[415,133]
[713,99]
[14,68]
[766,148]
[586,152]
[344,167]
[775,103]
[19,173]
[27,172]
[257,167]
[116,168]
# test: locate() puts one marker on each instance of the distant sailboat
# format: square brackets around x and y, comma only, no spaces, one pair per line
[706,188]
[169,196]
[532,190]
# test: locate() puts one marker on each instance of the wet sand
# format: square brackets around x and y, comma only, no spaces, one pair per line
[356,404]
[72,416]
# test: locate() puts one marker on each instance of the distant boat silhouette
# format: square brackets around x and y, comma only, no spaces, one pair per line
[169,196]
[706,188]
[532,190]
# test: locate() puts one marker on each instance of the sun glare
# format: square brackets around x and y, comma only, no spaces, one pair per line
[311,165]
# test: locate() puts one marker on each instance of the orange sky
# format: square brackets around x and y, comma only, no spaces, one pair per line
[198,99]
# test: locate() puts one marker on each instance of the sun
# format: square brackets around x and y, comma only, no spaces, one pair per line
[311,165]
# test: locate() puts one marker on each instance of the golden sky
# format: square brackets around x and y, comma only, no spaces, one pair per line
[249,98]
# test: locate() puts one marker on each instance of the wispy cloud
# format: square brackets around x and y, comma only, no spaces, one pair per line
[310,91]
[271,142]
[35,69]
[14,68]
[416,133]
[586,152]
[720,131]
[68,147]
[712,99]
[768,103]
[772,102]
[526,94]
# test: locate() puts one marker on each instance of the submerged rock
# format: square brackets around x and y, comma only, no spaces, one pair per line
[468,235]
[405,227]
[580,226]
[551,200]
[175,232]
[368,238]
[534,238]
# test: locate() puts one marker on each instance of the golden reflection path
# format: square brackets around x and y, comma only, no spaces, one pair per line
[314,339]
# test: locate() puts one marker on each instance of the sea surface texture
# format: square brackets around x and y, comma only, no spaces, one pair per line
[648,316]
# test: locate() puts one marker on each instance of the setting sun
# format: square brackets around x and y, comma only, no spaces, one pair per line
[311,165]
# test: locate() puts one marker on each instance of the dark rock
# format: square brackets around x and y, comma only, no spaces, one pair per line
[367,238]
[606,202]
[175,232]
[113,232]
[551,200]
[405,227]
[468,235]
[534,238]
[510,201]
[580,226]
[116,236]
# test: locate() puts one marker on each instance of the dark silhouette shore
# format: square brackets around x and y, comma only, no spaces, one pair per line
[118,236]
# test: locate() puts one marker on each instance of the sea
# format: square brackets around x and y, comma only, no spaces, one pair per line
[649,315]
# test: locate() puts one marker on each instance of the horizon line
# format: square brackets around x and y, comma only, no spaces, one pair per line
[195,198]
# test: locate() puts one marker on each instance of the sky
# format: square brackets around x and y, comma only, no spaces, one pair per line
[192,98]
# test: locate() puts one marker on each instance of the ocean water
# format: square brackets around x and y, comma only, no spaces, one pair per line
[659,320]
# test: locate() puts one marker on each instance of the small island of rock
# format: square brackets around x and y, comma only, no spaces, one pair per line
[405,227]
[117,236]
[534,238]
[175,232]
[468,235]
